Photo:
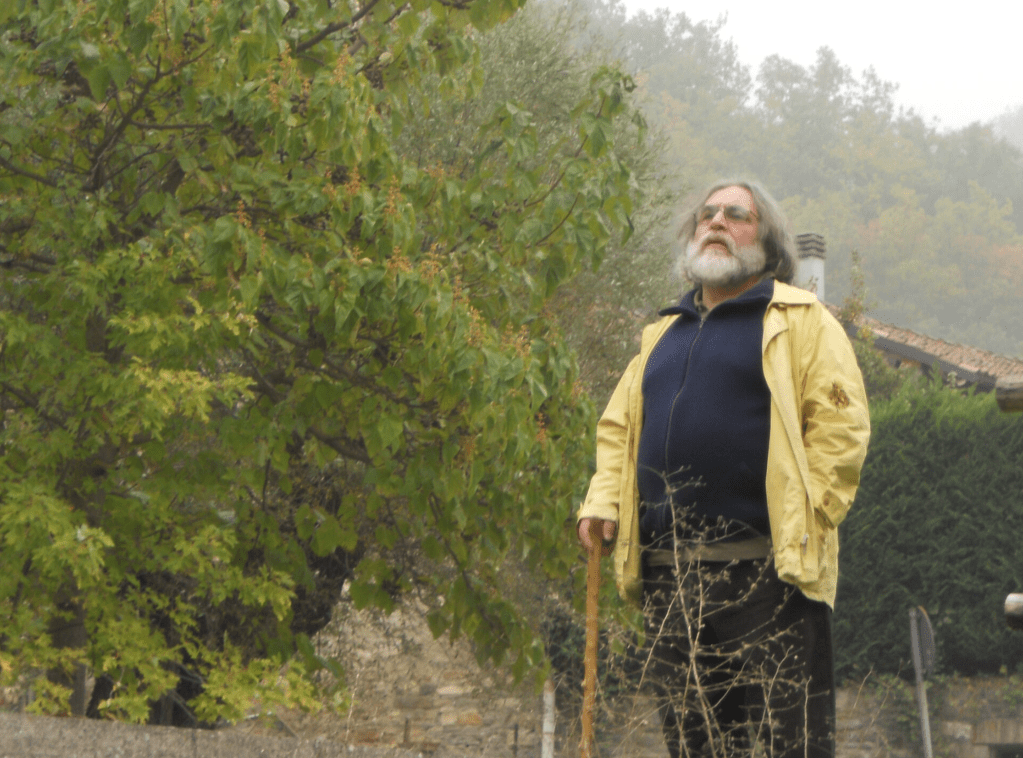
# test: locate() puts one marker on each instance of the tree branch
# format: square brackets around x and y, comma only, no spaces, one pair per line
[30,402]
[345,451]
[336,27]
[560,223]
[23,264]
[27,174]
[144,125]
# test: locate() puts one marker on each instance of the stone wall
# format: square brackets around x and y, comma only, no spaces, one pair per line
[966,715]
[409,689]
[414,696]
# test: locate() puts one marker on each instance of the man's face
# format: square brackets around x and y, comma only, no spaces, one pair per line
[724,251]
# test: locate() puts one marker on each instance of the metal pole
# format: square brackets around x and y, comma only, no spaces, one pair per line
[590,656]
[921,691]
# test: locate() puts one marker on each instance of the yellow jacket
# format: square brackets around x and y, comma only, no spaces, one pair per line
[819,432]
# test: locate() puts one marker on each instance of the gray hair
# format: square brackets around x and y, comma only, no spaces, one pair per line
[772,228]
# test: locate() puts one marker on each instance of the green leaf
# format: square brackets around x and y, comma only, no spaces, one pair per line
[390,429]
[305,522]
[328,536]
[362,594]
[99,80]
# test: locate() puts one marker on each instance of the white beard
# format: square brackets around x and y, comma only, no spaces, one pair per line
[717,268]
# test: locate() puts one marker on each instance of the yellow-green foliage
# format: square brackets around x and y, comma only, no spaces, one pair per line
[249,344]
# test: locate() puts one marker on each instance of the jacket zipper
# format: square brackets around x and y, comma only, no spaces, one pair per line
[681,389]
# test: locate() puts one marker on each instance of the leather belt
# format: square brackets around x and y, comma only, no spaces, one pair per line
[714,552]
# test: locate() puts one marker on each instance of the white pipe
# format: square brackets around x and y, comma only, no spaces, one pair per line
[547,738]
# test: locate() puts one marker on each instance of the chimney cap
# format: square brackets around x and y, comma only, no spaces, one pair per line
[811,245]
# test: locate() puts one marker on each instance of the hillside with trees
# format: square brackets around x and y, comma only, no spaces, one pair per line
[1010,126]
[936,217]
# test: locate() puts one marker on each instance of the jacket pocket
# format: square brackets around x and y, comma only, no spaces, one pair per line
[811,546]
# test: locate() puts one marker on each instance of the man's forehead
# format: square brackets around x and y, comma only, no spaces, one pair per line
[732,196]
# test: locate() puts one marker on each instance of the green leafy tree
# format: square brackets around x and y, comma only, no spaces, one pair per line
[540,63]
[880,380]
[694,89]
[250,346]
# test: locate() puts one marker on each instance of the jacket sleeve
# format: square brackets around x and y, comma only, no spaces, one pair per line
[836,421]
[604,495]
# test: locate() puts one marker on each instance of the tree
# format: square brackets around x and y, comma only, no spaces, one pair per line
[939,273]
[973,155]
[694,88]
[880,380]
[1010,126]
[251,347]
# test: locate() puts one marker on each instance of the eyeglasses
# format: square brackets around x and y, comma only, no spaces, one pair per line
[732,213]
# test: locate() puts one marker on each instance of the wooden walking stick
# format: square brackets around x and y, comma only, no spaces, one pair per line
[590,655]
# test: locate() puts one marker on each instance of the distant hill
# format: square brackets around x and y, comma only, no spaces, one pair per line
[1010,126]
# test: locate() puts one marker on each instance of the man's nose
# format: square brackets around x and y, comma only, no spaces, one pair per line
[718,219]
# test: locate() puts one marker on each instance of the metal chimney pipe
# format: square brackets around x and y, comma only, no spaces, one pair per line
[811,251]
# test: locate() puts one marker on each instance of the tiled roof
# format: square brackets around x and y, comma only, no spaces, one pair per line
[971,364]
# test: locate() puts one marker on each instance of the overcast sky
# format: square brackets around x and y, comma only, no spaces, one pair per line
[957,65]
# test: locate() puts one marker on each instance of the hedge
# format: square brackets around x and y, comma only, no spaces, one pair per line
[938,523]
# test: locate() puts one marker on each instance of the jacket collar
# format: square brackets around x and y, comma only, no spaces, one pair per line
[692,301]
[789,295]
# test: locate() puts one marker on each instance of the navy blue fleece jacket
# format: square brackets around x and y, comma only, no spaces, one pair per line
[706,422]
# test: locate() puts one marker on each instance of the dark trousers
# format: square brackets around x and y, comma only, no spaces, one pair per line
[738,657]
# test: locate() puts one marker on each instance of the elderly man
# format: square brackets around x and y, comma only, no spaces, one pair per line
[726,458]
